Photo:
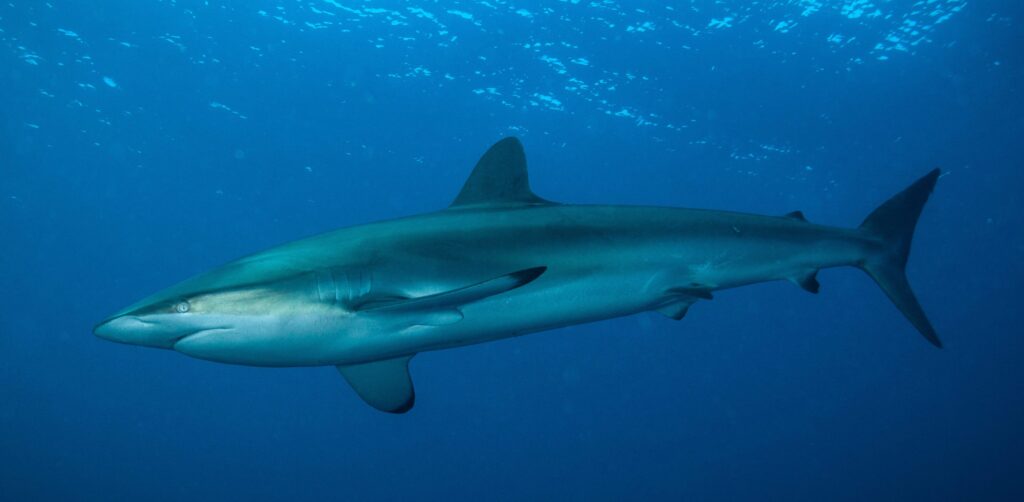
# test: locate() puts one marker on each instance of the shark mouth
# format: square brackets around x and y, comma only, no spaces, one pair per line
[200,333]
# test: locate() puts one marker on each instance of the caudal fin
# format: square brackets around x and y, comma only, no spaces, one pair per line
[893,222]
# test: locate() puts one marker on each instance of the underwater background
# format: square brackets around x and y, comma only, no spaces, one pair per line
[143,141]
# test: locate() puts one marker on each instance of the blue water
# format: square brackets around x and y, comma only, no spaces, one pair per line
[143,141]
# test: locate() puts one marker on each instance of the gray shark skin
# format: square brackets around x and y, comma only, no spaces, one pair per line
[499,262]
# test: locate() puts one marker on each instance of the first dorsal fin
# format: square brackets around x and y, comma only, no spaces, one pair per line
[499,178]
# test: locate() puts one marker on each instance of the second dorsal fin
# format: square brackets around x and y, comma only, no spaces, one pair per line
[499,178]
[795,215]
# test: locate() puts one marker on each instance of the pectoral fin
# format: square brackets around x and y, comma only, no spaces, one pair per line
[443,308]
[385,385]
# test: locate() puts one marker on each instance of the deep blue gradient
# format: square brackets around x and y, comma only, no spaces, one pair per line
[145,141]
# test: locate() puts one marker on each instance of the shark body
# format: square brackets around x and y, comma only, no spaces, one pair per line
[499,262]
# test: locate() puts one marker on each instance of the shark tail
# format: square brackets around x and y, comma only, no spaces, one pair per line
[893,224]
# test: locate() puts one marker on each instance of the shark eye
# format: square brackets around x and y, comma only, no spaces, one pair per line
[182,307]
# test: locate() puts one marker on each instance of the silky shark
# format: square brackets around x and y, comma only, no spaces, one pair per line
[499,262]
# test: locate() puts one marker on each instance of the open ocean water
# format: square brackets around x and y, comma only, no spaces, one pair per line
[144,141]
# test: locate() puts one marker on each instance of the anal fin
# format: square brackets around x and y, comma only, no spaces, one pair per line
[694,293]
[675,310]
[808,281]
[680,299]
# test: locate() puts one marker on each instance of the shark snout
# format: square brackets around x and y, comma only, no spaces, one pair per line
[137,331]
[116,329]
